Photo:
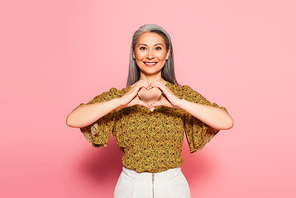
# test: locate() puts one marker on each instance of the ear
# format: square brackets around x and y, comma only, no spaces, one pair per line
[134,56]
[168,54]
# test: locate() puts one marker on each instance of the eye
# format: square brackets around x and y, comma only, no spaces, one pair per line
[143,48]
[158,48]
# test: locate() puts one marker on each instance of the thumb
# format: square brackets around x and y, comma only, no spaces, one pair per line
[155,104]
[140,102]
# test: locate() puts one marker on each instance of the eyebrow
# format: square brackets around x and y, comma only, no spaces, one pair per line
[147,45]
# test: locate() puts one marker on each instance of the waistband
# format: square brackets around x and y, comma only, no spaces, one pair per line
[145,176]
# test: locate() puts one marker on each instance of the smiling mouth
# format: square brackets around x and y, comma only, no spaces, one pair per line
[150,64]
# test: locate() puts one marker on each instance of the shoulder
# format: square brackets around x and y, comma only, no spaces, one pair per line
[187,93]
[118,92]
[176,89]
[109,95]
[183,91]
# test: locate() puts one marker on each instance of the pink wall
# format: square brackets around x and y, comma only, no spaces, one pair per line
[57,54]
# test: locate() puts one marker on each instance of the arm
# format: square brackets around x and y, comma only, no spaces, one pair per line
[212,116]
[87,114]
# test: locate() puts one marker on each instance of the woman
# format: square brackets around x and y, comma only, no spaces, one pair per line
[148,119]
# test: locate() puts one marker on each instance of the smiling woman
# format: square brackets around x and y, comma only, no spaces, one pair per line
[150,54]
[148,119]
[168,72]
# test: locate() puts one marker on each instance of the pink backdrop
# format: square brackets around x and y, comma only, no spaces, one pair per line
[55,54]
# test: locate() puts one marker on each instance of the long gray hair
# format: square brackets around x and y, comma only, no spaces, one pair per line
[168,72]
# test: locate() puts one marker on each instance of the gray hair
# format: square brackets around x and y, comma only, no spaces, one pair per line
[168,72]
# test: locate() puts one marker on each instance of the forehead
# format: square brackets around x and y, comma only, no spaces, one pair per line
[150,38]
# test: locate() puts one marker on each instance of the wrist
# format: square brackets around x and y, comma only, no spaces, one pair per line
[117,103]
[180,104]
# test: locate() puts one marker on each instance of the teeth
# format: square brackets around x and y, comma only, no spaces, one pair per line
[150,63]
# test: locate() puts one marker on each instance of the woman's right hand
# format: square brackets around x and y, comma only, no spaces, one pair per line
[87,114]
[131,97]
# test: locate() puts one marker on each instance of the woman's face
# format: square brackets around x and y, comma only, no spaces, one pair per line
[150,53]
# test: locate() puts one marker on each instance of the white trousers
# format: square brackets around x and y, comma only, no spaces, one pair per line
[167,184]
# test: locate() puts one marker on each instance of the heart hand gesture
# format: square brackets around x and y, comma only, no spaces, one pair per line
[141,93]
[168,98]
[131,97]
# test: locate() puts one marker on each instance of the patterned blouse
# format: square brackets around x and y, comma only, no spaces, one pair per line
[151,140]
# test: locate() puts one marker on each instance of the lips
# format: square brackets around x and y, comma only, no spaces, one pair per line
[150,63]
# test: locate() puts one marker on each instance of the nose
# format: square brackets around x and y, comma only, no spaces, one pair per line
[150,54]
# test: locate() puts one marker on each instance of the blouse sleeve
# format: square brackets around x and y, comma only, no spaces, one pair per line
[198,134]
[98,133]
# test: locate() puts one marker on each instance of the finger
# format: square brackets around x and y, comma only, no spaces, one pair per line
[129,100]
[138,86]
[162,102]
[166,91]
[137,101]
[157,83]
[161,87]
[133,92]
[140,102]
[155,104]
[143,82]
[140,83]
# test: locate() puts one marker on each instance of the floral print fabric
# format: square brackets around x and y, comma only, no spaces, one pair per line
[151,140]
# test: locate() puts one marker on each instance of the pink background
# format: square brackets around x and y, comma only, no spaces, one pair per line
[56,54]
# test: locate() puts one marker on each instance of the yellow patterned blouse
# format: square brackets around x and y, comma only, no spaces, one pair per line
[151,140]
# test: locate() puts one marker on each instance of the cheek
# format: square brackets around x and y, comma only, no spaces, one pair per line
[139,55]
[162,56]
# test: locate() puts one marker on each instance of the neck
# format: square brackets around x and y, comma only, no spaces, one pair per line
[154,78]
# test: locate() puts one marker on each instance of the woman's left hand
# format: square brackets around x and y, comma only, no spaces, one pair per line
[212,116]
[168,98]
